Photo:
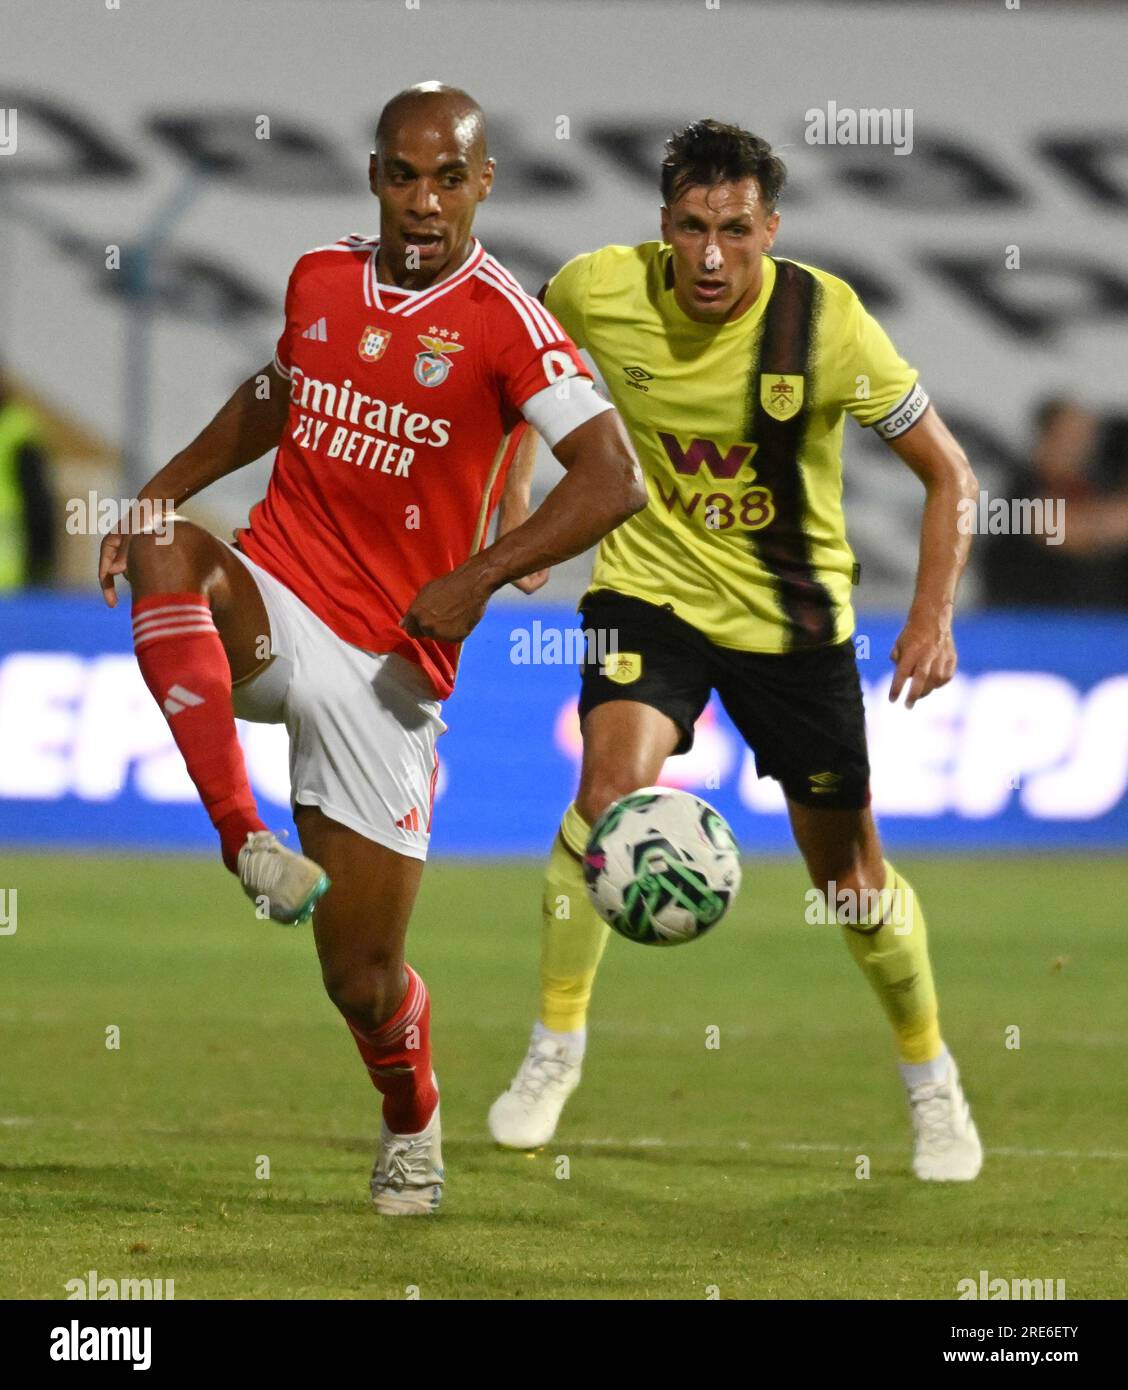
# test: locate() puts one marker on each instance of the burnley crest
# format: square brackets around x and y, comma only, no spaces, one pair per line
[781,396]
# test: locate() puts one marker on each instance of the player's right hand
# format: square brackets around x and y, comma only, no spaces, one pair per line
[111,562]
[449,608]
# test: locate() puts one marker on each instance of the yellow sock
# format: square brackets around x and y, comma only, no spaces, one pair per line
[894,959]
[573,936]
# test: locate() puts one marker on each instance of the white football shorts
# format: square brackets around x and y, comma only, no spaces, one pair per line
[362,726]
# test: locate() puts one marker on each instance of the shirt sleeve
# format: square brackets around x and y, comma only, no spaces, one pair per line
[282,351]
[884,392]
[566,296]
[533,352]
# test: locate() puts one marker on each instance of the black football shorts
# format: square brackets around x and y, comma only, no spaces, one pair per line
[801,713]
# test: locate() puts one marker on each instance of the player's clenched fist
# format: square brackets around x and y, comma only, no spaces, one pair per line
[447,609]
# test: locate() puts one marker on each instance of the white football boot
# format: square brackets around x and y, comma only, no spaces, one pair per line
[946,1145]
[525,1116]
[288,885]
[407,1179]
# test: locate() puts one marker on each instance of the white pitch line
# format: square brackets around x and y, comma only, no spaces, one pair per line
[745,1145]
[655,1142]
[1112,1155]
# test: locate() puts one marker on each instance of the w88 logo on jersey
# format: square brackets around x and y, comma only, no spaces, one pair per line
[749,510]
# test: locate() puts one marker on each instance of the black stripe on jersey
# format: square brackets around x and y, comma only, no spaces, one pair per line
[786,349]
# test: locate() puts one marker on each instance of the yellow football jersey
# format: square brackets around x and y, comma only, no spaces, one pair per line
[739,431]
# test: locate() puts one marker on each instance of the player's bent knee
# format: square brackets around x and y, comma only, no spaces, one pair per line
[173,559]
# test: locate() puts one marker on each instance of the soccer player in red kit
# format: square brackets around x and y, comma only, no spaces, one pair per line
[405,373]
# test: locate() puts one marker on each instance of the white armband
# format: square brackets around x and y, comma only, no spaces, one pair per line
[562,407]
[904,414]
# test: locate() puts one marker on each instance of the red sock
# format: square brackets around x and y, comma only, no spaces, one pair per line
[184,665]
[398,1058]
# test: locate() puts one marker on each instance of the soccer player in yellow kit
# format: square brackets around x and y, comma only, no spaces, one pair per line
[734,371]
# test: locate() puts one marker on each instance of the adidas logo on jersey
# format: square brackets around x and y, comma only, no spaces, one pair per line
[179,699]
[410,821]
[317,332]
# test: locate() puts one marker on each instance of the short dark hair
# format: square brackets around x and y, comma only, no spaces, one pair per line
[709,152]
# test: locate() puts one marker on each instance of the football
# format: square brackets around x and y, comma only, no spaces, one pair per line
[661,866]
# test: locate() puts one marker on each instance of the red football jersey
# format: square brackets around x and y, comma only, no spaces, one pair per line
[405,412]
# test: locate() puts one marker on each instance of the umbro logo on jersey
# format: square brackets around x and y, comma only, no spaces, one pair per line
[823,782]
[317,332]
[636,376]
[410,821]
[179,699]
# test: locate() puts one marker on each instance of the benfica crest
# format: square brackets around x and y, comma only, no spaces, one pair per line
[372,343]
[781,396]
[432,367]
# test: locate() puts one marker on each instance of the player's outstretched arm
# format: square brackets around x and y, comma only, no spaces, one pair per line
[925,652]
[513,509]
[244,429]
[602,487]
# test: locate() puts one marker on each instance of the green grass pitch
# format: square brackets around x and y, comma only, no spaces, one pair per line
[689,1168]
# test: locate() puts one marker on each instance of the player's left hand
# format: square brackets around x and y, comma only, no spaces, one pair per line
[447,609]
[925,657]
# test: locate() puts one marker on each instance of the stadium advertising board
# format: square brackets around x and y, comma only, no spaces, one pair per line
[1027,747]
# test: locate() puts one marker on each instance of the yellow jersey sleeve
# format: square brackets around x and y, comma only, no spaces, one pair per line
[567,293]
[882,390]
